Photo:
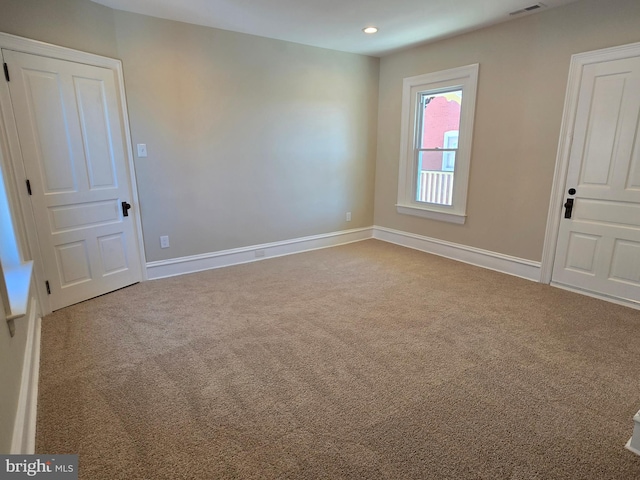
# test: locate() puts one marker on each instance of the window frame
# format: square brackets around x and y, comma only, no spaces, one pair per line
[413,88]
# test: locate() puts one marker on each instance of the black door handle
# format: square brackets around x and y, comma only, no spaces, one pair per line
[568,208]
[125,209]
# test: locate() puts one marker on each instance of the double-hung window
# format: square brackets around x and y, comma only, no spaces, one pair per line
[435,154]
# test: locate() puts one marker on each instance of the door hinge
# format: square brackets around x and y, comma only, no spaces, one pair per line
[48,287]
[29,187]
[6,72]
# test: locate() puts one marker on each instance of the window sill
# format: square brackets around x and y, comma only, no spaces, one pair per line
[423,212]
[18,281]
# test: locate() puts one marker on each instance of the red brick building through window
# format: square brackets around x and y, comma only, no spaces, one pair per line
[441,122]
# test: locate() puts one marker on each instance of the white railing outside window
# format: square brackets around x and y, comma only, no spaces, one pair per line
[435,186]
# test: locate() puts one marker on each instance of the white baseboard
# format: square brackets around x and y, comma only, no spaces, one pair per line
[499,262]
[629,447]
[601,296]
[634,442]
[226,258]
[24,428]
[483,258]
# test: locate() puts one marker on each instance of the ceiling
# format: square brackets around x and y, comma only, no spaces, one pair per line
[338,24]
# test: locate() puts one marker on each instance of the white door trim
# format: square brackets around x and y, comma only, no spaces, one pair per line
[578,62]
[26,224]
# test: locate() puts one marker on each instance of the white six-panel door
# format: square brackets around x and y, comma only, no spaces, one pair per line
[598,248]
[71,137]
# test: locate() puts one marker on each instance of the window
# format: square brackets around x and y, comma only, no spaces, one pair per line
[15,275]
[437,126]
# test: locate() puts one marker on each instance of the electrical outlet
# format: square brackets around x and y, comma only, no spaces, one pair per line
[348,216]
[164,241]
[259,253]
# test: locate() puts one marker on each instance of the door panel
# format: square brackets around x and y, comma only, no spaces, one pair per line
[51,147]
[71,136]
[633,182]
[626,262]
[582,252]
[598,248]
[607,212]
[94,123]
[113,254]
[73,263]
[69,217]
[601,135]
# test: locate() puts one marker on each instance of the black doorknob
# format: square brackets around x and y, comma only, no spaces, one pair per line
[568,208]
[125,209]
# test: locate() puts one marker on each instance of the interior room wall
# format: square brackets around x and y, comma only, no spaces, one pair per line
[79,24]
[249,140]
[253,140]
[524,67]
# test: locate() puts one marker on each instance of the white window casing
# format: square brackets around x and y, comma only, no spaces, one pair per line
[465,78]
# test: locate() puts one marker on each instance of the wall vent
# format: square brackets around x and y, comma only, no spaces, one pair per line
[530,8]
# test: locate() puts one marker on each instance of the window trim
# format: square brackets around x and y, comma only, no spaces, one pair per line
[465,78]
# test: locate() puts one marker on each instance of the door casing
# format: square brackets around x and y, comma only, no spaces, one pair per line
[578,62]
[16,191]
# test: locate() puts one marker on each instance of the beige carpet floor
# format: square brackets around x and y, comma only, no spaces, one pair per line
[364,361]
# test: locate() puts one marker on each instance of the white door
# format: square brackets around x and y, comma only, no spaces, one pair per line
[70,132]
[598,247]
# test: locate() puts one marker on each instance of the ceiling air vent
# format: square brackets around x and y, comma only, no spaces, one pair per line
[530,8]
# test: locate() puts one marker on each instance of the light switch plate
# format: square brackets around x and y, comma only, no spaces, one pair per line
[142,150]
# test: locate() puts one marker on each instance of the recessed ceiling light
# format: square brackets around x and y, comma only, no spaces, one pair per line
[370,29]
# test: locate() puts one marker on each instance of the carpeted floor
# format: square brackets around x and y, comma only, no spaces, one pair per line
[364,361]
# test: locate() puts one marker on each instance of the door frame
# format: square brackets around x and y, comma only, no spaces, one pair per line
[578,62]
[18,197]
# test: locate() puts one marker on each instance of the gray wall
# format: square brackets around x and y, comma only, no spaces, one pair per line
[78,24]
[524,65]
[253,140]
[250,140]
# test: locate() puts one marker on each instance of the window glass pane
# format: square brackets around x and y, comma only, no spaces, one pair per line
[441,115]
[449,158]
[434,182]
[8,245]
